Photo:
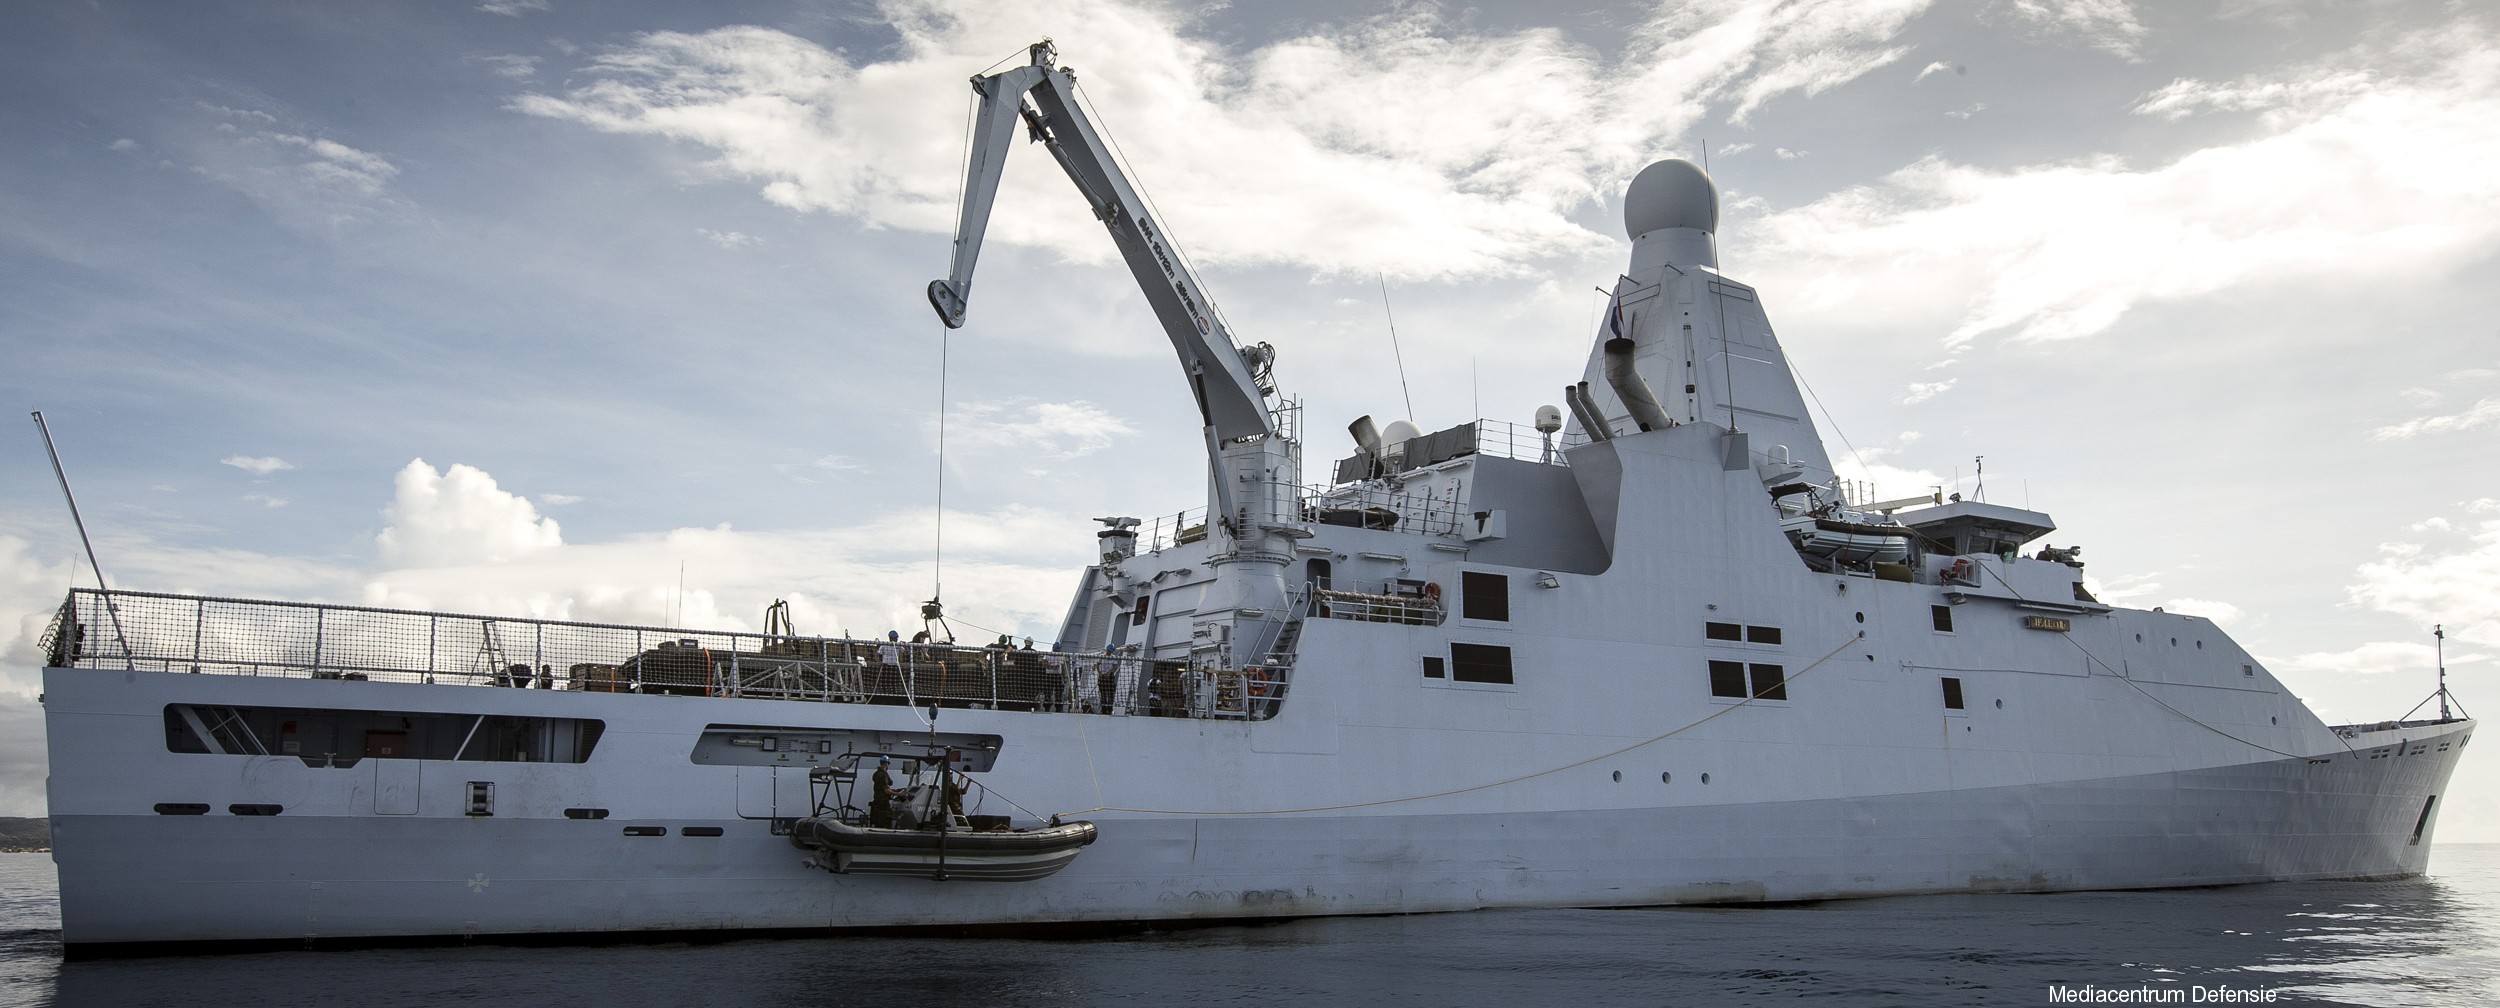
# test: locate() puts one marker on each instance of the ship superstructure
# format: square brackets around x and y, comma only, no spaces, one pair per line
[1652,652]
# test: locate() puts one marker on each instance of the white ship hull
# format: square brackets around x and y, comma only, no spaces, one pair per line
[1859,802]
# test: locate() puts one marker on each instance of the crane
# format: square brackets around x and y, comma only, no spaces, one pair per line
[1230,383]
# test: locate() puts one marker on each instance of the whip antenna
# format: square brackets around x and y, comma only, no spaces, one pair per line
[58,473]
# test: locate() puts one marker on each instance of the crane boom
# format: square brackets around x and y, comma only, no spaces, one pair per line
[1231,401]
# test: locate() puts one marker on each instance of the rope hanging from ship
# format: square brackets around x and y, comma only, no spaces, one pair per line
[1757,695]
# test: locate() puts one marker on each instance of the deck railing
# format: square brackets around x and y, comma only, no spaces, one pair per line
[153,632]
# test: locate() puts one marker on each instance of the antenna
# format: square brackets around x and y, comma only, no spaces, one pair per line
[1393,346]
[1979,478]
[2439,647]
[110,609]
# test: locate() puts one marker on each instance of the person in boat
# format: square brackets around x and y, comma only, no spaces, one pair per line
[954,794]
[881,795]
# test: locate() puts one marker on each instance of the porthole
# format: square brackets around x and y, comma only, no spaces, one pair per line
[2174,642]
[1861,617]
[1705,778]
[2200,645]
[2000,703]
[1618,776]
[1665,777]
[2139,638]
[2273,720]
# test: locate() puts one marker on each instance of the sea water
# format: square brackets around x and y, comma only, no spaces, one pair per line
[2426,941]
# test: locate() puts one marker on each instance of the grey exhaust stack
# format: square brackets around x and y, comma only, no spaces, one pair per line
[1629,386]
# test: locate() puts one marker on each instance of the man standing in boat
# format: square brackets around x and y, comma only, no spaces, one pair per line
[881,795]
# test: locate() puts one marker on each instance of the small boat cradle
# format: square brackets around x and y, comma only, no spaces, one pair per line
[930,838]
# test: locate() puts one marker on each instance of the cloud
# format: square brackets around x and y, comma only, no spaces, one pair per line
[2480,415]
[557,499]
[458,517]
[260,465]
[337,163]
[1931,69]
[1397,143]
[2219,612]
[265,500]
[513,8]
[124,145]
[2107,25]
[310,181]
[1730,150]
[728,239]
[1788,155]
[2373,659]
[1046,430]
[1974,109]
[2064,250]
[1920,392]
[2452,580]
[512,66]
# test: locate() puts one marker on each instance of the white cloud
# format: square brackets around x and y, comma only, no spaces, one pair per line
[2480,415]
[1974,109]
[1787,155]
[2374,658]
[124,145]
[2451,582]
[512,66]
[1733,149]
[265,500]
[2060,251]
[257,465]
[1920,392]
[2219,612]
[2107,25]
[1930,70]
[459,517]
[308,180]
[1042,430]
[1396,143]
[512,8]
[728,239]
[557,499]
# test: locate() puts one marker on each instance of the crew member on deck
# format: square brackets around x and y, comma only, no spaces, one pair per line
[881,795]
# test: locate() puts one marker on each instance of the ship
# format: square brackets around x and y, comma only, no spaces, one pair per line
[1646,648]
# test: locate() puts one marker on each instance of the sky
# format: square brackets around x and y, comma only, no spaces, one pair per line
[614,312]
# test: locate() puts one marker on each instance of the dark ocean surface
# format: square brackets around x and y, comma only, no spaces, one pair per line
[2427,941]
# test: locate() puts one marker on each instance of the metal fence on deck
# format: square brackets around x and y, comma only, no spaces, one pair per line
[181,633]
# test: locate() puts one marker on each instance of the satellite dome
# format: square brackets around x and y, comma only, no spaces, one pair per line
[1674,193]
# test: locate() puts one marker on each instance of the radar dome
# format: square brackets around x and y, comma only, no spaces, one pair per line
[1670,194]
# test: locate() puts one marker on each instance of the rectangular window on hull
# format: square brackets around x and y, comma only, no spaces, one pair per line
[1763,634]
[1943,617]
[1727,679]
[329,737]
[2424,820]
[1484,596]
[1770,682]
[1432,666]
[1952,693]
[1723,631]
[1480,663]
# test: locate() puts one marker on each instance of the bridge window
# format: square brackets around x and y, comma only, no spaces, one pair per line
[1484,596]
